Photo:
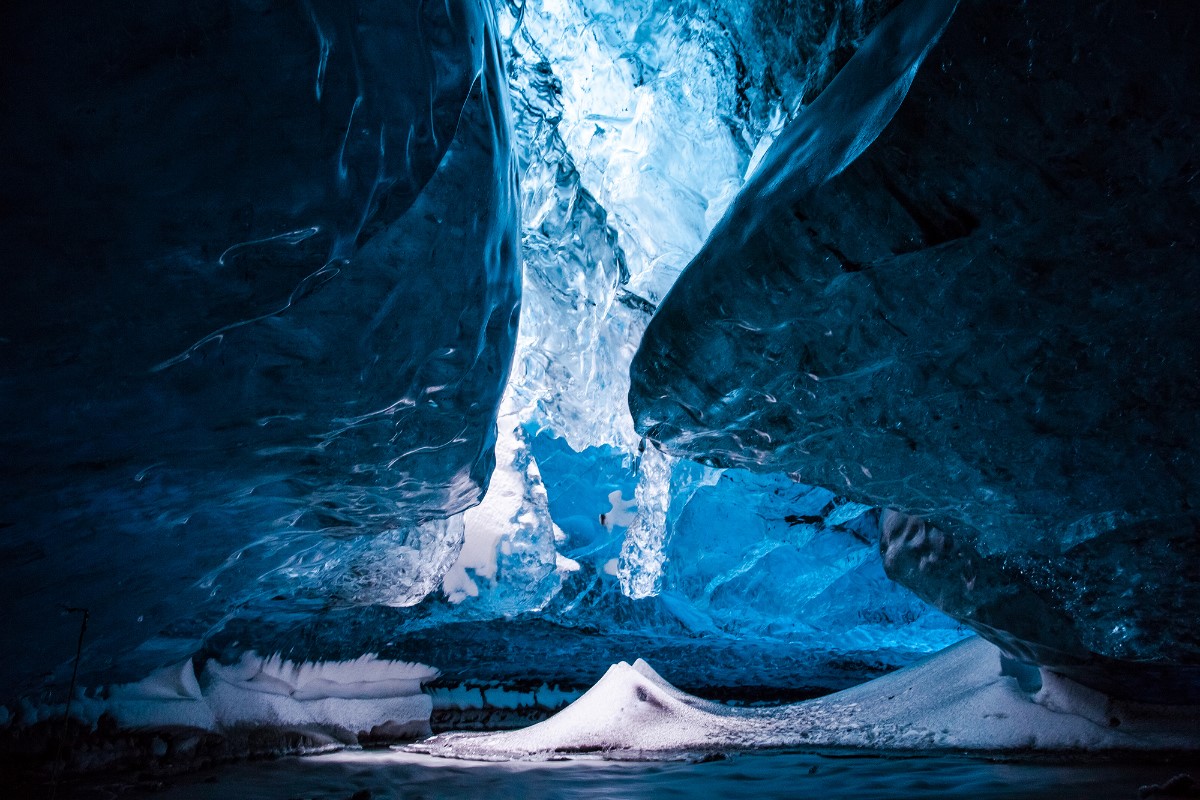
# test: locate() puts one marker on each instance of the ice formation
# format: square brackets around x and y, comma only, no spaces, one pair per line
[329,701]
[633,140]
[255,341]
[959,699]
[579,517]
[264,384]
[213,262]
[975,307]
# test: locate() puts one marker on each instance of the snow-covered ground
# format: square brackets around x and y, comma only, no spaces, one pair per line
[959,699]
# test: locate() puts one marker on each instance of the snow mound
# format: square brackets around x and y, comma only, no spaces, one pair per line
[957,699]
[631,708]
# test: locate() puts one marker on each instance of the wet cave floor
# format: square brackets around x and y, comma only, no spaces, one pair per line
[378,774]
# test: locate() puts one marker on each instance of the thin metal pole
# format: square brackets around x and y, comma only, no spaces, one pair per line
[55,771]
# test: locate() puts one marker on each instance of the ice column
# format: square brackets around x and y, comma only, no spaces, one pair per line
[640,567]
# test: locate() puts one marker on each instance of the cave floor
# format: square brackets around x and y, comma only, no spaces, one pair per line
[359,775]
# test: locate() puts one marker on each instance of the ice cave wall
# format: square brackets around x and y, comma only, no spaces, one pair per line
[263,266]
[975,306]
[633,124]
[262,288]
[249,309]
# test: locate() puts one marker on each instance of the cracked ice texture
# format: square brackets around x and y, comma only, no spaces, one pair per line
[250,307]
[636,123]
[633,123]
[984,316]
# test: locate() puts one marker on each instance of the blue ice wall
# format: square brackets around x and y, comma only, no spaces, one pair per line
[743,557]
[765,586]
[264,290]
[961,286]
[261,286]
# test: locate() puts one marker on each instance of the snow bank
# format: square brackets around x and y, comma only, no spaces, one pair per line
[958,699]
[341,700]
[348,697]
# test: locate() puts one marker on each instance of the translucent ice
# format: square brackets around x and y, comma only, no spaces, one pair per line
[974,306]
[268,303]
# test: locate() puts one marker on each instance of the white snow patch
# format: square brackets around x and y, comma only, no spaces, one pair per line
[342,698]
[956,699]
[167,697]
[347,696]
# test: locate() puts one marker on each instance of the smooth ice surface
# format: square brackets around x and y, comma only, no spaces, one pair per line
[959,699]
[983,317]
[262,298]
[261,288]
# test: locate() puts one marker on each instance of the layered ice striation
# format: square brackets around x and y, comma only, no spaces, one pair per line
[960,286]
[261,292]
[329,702]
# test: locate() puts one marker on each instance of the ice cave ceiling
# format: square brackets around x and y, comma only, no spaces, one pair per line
[323,322]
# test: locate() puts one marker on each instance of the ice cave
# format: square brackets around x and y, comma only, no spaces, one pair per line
[600,398]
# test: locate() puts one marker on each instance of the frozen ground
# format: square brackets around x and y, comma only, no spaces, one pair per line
[387,775]
[964,698]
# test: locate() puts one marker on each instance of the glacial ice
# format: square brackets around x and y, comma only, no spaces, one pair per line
[249,312]
[576,555]
[984,320]
[510,538]
[256,354]
[633,131]
[242,327]
[576,520]
[738,555]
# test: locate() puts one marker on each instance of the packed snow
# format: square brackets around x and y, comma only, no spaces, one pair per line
[959,699]
[338,699]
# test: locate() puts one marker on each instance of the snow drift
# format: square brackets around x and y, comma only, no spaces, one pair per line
[331,701]
[963,698]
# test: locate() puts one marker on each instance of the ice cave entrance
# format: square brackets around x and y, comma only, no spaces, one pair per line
[593,380]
